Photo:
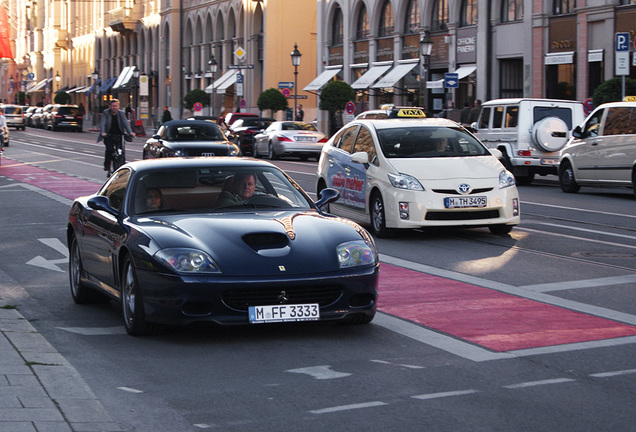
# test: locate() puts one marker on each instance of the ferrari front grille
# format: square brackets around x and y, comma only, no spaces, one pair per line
[242,298]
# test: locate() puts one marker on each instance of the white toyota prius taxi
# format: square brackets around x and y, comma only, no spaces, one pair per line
[416,173]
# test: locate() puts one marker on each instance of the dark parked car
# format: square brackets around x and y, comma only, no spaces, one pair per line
[64,116]
[243,131]
[154,239]
[234,116]
[189,138]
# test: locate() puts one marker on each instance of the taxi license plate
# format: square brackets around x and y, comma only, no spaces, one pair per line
[463,202]
[284,313]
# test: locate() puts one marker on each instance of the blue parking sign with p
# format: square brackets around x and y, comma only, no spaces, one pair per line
[622,41]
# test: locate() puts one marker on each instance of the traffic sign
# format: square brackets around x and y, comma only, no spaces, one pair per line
[241,66]
[621,51]
[588,106]
[240,53]
[451,80]
[286,84]
[350,107]
[286,92]
[243,104]
[197,106]
[31,76]
[298,97]
[239,84]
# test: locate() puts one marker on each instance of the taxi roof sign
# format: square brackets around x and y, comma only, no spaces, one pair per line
[630,98]
[407,113]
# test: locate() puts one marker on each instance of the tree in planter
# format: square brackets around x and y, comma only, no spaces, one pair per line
[272,99]
[62,98]
[194,96]
[333,98]
[21,97]
[611,90]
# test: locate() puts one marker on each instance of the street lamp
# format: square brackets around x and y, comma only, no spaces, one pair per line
[11,87]
[213,68]
[295,57]
[57,80]
[136,95]
[426,46]
[95,77]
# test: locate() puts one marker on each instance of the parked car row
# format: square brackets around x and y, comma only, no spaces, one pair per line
[54,117]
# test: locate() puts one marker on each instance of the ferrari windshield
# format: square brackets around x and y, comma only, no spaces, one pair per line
[427,142]
[216,189]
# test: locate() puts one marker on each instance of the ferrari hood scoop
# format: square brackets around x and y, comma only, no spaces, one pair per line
[268,243]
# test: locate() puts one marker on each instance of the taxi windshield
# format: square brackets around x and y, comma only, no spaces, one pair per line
[427,142]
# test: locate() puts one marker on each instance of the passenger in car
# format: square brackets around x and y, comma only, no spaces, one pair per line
[154,199]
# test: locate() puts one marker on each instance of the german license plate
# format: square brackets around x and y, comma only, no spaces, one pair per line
[463,202]
[305,139]
[284,313]
[549,161]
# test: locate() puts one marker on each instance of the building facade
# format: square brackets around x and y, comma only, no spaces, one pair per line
[498,48]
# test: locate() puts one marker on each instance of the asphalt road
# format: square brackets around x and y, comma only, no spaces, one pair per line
[454,348]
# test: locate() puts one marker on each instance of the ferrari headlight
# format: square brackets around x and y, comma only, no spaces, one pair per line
[187,261]
[506,179]
[179,153]
[356,253]
[405,181]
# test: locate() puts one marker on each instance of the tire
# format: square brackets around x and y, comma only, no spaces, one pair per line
[378,218]
[500,229]
[525,180]
[634,182]
[566,178]
[132,302]
[255,151]
[271,155]
[81,293]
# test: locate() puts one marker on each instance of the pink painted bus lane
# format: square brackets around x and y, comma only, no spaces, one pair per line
[61,184]
[486,317]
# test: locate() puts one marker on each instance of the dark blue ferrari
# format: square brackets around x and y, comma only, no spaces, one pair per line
[222,240]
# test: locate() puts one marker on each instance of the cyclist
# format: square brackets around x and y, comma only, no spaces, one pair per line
[112,128]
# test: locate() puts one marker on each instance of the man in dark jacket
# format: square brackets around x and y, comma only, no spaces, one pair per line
[166,117]
[112,128]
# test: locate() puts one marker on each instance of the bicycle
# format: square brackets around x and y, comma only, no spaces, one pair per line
[118,156]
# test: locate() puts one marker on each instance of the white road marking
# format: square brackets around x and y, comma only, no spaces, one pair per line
[397,364]
[538,383]
[444,394]
[320,372]
[580,209]
[56,244]
[552,234]
[589,283]
[605,233]
[130,390]
[348,407]
[615,373]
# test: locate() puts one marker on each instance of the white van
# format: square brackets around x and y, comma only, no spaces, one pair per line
[528,132]
[602,151]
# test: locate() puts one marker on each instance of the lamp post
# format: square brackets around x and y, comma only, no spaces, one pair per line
[11,87]
[95,77]
[136,95]
[57,80]
[295,57]
[426,45]
[213,68]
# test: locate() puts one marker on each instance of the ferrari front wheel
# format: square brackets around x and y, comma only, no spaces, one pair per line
[132,302]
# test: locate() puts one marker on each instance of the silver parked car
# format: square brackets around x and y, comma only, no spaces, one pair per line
[289,138]
[14,115]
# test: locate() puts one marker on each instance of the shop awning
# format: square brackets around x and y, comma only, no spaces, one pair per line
[79,89]
[370,76]
[396,74]
[39,86]
[229,75]
[220,89]
[559,58]
[461,72]
[35,85]
[93,87]
[323,78]
[107,84]
[124,77]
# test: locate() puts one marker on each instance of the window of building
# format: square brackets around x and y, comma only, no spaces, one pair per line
[563,7]
[511,10]
[386,20]
[362,29]
[412,23]
[511,78]
[468,15]
[628,2]
[337,29]
[439,19]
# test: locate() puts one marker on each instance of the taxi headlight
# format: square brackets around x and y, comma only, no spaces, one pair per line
[356,253]
[405,181]
[506,179]
[187,261]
